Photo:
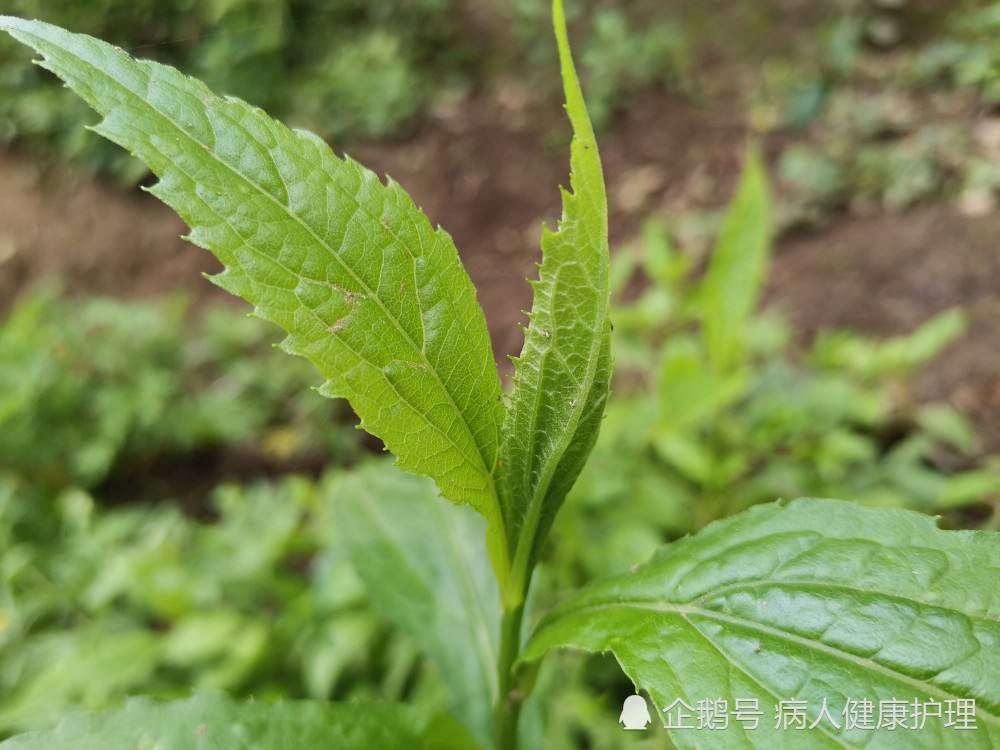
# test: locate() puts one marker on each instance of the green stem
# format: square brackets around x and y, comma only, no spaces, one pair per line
[509,698]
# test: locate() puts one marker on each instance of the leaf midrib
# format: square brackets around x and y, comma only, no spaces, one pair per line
[742,669]
[148,75]
[809,583]
[683,610]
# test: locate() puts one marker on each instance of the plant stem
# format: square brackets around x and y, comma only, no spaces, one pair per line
[509,697]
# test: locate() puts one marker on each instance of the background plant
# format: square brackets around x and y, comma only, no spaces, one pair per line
[348,69]
[872,116]
[345,69]
[98,604]
[105,384]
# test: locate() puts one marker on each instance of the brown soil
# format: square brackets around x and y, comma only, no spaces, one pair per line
[91,237]
[885,275]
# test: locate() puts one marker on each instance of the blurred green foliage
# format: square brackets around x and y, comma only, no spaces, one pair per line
[348,69]
[867,165]
[343,68]
[968,54]
[96,605]
[86,387]
[881,111]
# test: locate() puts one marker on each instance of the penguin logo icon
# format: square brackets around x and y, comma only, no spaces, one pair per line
[635,713]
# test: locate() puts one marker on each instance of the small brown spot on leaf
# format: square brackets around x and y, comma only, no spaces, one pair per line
[340,323]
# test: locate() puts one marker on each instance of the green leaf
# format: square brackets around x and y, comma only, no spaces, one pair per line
[662,263]
[349,267]
[734,278]
[689,391]
[844,350]
[89,667]
[216,722]
[425,569]
[811,600]
[562,375]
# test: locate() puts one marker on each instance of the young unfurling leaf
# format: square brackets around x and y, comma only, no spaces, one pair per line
[564,370]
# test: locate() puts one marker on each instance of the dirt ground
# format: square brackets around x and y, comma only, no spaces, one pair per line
[488,173]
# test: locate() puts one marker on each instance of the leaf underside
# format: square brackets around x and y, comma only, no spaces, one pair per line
[563,372]
[814,600]
[214,722]
[423,563]
[353,271]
